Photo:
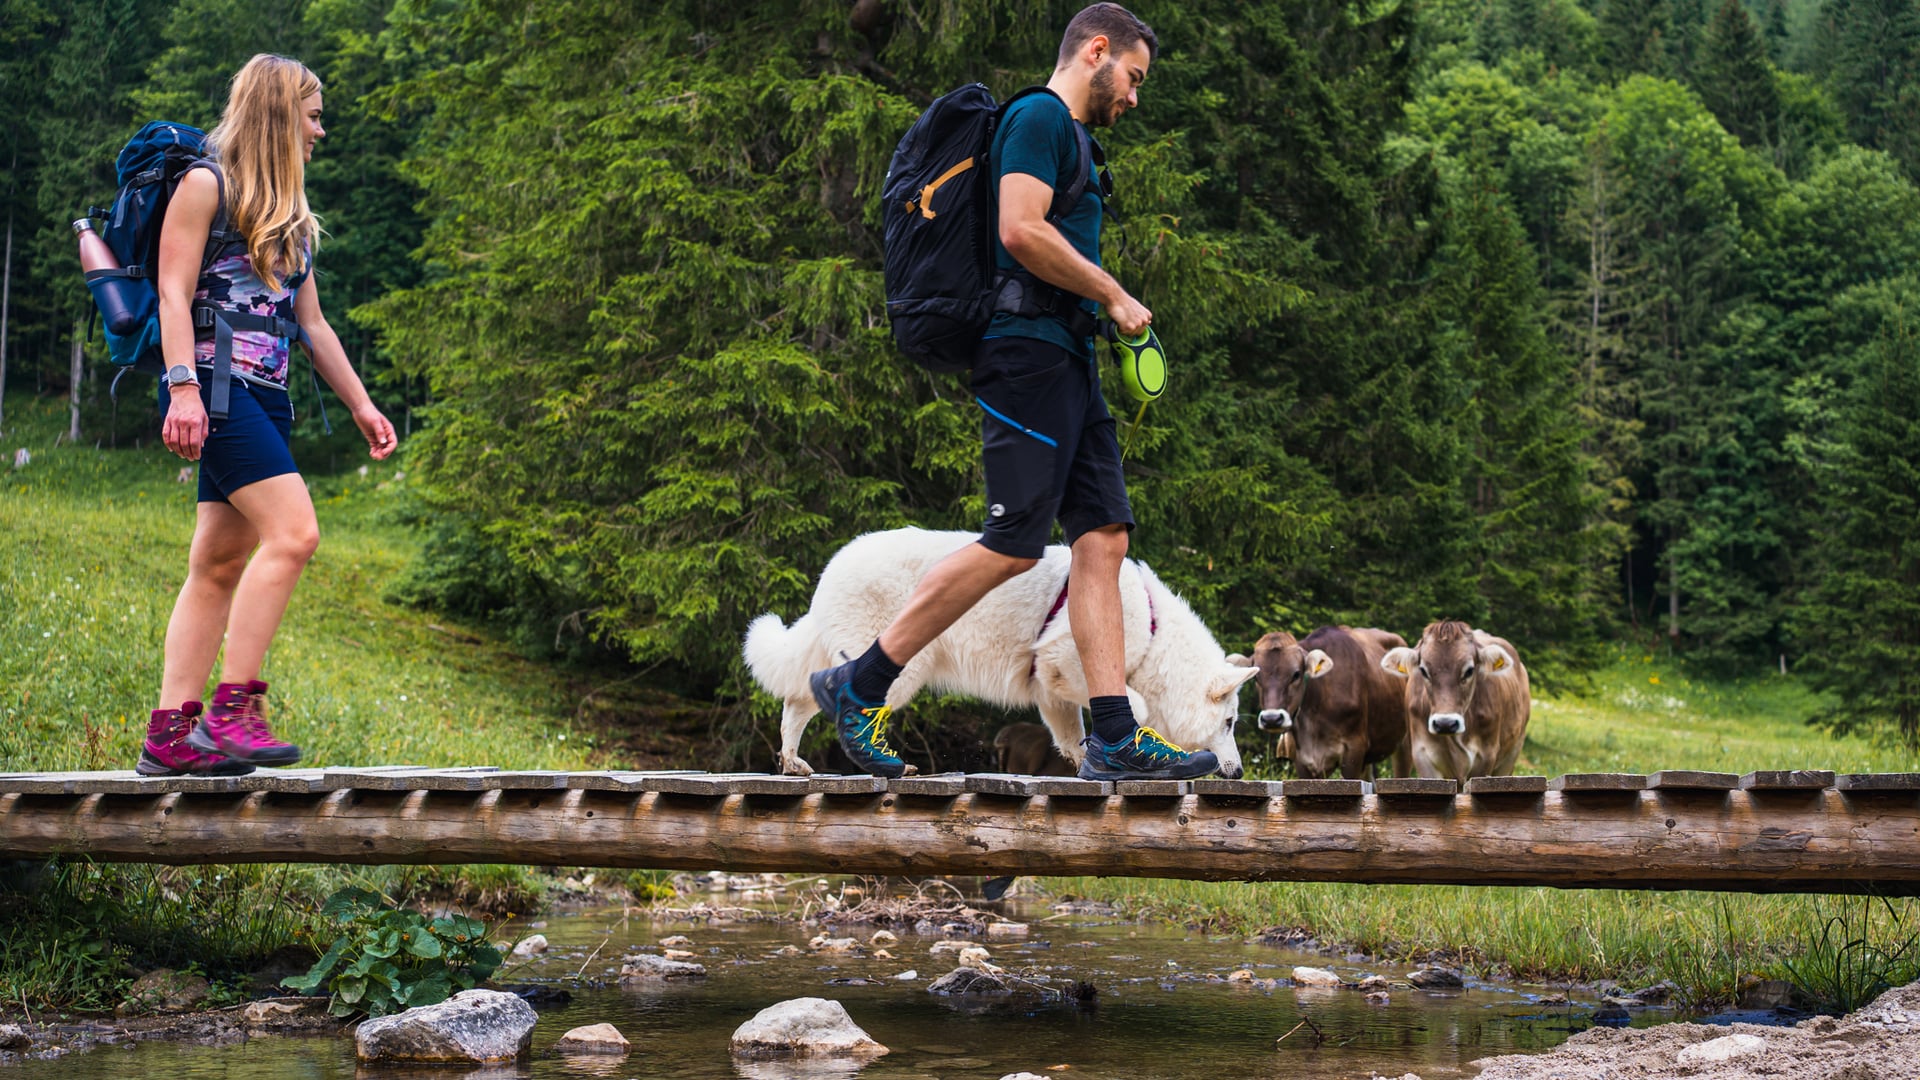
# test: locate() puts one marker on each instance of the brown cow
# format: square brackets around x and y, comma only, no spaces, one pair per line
[1468,702]
[1330,694]
[1028,749]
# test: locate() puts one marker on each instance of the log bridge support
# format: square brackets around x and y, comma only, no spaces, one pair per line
[1801,831]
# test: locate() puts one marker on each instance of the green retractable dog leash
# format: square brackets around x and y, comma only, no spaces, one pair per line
[1143,368]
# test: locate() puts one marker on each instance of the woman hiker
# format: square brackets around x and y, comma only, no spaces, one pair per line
[255,528]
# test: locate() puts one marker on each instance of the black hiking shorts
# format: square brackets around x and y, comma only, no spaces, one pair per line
[1049,446]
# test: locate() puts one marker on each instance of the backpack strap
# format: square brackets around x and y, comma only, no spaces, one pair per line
[1019,291]
[219,321]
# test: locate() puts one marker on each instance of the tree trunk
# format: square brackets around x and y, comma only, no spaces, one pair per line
[6,306]
[79,369]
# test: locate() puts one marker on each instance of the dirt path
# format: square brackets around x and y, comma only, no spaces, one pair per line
[1879,1042]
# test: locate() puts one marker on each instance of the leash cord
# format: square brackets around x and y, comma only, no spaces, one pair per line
[1133,429]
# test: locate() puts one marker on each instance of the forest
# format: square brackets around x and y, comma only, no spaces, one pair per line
[1575,319]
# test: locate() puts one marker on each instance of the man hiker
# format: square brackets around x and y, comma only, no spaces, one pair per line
[1049,445]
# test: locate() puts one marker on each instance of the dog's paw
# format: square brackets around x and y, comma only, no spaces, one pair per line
[912,770]
[794,765]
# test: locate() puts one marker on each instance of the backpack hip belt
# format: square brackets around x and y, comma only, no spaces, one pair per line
[1028,297]
[210,320]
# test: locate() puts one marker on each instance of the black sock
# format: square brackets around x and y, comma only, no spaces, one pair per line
[1112,718]
[873,673]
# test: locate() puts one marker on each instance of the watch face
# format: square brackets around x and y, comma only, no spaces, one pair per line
[179,373]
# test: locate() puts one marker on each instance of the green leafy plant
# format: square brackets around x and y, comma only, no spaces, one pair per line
[387,959]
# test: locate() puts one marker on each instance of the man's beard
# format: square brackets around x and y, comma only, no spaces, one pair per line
[1104,104]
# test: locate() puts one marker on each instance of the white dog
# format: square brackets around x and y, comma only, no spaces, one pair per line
[1015,647]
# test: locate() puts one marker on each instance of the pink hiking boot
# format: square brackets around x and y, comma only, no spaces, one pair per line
[167,752]
[234,727]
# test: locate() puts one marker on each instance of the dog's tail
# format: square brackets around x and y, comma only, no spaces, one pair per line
[781,656]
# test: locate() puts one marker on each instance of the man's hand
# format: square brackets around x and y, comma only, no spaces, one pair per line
[378,431]
[185,429]
[1129,316]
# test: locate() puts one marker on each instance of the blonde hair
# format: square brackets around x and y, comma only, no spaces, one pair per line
[260,145]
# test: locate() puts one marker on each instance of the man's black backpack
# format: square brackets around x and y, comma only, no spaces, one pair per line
[940,221]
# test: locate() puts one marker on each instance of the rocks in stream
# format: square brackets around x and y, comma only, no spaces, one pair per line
[646,968]
[474,1027]
[1315,977]
[803,1027]
[604,1039]
[531,945]
[1436,978]
[165,990]
[14,1037]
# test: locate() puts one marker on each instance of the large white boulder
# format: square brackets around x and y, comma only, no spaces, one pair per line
[1714,1051]
[471,1027]
[803,1027]
[646,968]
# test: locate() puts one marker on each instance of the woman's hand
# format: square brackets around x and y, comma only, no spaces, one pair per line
[184,431]
[378,430]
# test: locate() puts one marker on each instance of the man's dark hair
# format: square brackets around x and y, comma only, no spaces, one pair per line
[1123,29]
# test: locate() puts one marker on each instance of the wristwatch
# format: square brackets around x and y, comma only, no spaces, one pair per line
[181,375]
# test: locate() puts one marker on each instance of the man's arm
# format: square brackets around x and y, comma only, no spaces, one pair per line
[1035,244]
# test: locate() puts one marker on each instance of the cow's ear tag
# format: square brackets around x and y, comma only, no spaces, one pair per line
[1500,662]
[1321,664]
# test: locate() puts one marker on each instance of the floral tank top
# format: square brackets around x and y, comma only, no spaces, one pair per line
[231,282]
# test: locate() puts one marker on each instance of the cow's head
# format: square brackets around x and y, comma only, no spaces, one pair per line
[1282,669]
[1449,663]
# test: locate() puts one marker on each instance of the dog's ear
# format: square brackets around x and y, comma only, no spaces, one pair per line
[1229,681]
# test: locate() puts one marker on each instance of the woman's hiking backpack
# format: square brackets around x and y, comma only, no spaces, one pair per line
[148,170]
[939,217]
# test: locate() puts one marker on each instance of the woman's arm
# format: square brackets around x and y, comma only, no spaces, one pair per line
[330,360]
[183,244]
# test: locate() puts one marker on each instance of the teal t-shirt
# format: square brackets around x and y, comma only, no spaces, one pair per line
[1036,137]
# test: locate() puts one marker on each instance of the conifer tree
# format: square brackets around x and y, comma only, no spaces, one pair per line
[1863,615]
[1869,51]
[1734,79]
[1637,36]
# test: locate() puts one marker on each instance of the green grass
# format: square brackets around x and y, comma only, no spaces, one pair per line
[1641,713]
[93,548]
[92,551]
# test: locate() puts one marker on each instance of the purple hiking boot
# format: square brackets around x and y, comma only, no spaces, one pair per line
[234,727]
[167,752]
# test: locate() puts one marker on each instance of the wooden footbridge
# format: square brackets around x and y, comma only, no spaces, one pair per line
[1800,831]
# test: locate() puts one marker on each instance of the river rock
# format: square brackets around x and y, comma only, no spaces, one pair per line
[882,954]
[1371,984]
[528,946]
[968,980]
[1435,978]
[14,1037]
[823,943]
[676,941]
[593,1039]
[284,1011]
[649,968]
[1022,1076]
[472,1027]
[1007,931]
[803,1027]
[165,990]
[883,937]
[1313,976]
[789,950]
[677,954]
[1726,1048]
[1244,975]
[949,945]
[1379,997]
[974,956]
[908,975]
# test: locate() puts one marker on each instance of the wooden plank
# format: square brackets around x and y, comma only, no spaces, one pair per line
[353,779]
[1890,782]
[847,784]
[1406,787]
[941,785]
[1323,789]
[1152,789]
[1689,780]
[723,784]
[1786,780]
[1023,786]
[56,783]
[1215,788]
[286,781]
[622,780]
[1598,782]
[1822,841]
[1506,785]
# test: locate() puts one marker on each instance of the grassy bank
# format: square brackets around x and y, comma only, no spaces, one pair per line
[1641,714]
[92,551]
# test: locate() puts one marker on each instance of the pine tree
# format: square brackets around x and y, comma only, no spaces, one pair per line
[1637,36]
[1734,79]
[1869,51]
[1864,610]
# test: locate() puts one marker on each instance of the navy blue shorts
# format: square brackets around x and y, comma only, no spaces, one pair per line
[1049,446]
[253,443]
